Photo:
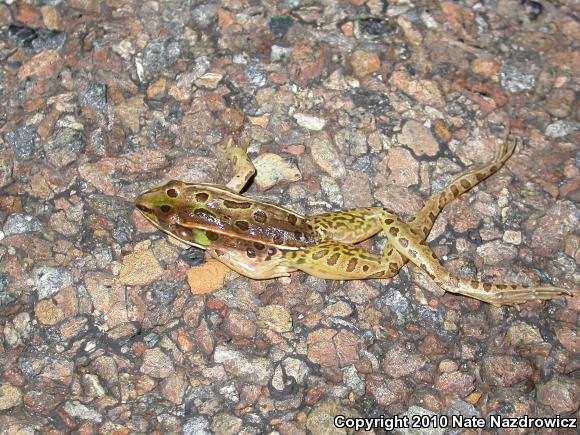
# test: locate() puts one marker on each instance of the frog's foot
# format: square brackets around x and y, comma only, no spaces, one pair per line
[238,164]
[412,246]
[503,294]
[513,294]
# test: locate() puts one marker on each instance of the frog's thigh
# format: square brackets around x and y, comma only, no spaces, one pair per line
[252,264]
[335,260]
[350,226]
[354,226]
[242,167]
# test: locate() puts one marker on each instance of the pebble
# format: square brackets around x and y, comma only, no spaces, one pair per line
[10,396]
[560,102]
[425,91]
[44,65]
[208,277]
[253,370]
[404,168]
[506,371]
[49,280]
[386,391]
[326,155]
[309,122]
[560,394]
[23,141]
[75,408]
[455,383]
[173,387]
[417,413]
[160,53]
[521,333]
[129,113]
[364,63]
[329,348]
[209,80]
[275,317]
[140,268]
[51,17]
[64,147]
[514,79]
[196,426]
[48,313]
[272,169]
[156,364]
[562,128]
[6,167]
[497,252]
[419,138]
[18,223]
[512,237]
[400,362]
[320,420]
[226,424]
[108,297]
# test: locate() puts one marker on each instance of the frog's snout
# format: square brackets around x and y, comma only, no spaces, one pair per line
[144,205]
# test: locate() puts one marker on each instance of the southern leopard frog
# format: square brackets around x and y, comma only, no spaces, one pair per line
[261,240]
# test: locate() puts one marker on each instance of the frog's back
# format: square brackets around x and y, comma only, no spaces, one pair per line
[216,209]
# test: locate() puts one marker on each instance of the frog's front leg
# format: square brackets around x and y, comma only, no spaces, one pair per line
[249,258]
[413,247]
[240,166]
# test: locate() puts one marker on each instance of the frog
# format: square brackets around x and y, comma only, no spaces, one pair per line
[261,240]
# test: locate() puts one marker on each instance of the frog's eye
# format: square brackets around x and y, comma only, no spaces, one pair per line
[165,208]
[172,193]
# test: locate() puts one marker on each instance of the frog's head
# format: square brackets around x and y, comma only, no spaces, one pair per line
[160,205]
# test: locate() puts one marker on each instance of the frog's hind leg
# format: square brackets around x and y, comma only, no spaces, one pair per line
[335,260]
[350,226]
[423,221]
[413,247]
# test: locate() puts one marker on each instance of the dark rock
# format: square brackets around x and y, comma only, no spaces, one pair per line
[5,297]
[279,25]
[374,101]
[18,223]
[36,39]
[23,141]
[64,147]
[533,9]
[160,53]
[94,95]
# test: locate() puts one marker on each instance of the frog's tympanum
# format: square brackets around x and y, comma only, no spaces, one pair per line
[262,240]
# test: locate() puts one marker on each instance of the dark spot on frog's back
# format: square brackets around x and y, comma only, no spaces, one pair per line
[235,204]
[201,197]
[260,216]
[333,259]
[351,264]
[292,219]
